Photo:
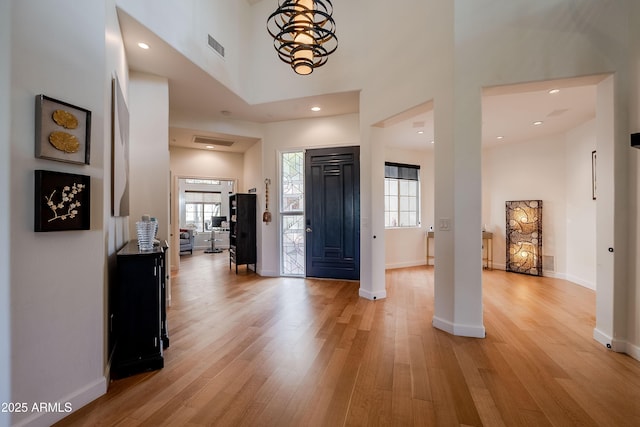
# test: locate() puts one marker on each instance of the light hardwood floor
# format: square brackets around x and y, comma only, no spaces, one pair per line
[252,351]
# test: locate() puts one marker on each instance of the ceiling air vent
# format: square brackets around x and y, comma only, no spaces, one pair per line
[212,141]
[215,45]
[556,113]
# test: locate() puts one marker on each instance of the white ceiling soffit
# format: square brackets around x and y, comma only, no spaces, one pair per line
[195,92]
[508,113]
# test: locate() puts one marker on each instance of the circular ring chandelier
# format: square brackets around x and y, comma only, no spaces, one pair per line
[304,33]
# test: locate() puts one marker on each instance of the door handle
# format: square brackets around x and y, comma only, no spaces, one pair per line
[308,230]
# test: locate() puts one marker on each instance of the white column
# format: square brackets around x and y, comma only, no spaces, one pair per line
[457,223]
[372,274]
[612,148]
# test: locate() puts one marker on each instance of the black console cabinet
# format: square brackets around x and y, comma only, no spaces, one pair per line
[242,230]
[139,313]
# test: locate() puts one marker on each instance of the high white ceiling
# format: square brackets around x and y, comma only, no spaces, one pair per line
[507,111]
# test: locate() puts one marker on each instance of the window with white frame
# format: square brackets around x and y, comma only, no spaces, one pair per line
[292,238]
[401,195]
[200,206]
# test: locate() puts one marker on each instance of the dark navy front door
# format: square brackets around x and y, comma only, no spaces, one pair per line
[332,209]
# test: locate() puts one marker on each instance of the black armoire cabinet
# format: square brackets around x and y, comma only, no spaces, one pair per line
[139,319]
[242,230]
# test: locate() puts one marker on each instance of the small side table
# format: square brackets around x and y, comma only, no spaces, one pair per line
[487,260]
[430,235]
[487,242]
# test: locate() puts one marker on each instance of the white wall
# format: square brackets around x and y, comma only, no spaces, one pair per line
[149,170]
[190,163]
[532,170]
[185,25]
[149,151]
[556,170]
[406,247]
[633,339]
[253,159]
[57,279]
[5,121]
[580,207]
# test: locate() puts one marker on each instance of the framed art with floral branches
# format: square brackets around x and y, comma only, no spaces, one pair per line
[61,201]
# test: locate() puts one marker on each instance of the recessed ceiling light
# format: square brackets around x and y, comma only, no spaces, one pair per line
[211,147]
[316,109]
[538,123]
[499,137]
[142,45]
[420,132]
[433,142]
[554,91]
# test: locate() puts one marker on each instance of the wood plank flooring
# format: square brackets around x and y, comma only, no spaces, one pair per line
[252,351]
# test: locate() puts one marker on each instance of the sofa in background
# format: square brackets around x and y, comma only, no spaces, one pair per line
[186,240]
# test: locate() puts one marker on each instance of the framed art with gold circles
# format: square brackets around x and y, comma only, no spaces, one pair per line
[62,131]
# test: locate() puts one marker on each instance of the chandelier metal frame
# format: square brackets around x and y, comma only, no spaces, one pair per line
[303,37]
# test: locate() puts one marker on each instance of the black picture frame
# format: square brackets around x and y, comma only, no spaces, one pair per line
[63,131]
[62,201]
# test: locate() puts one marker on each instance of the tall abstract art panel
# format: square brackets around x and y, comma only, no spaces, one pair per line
[120,159]
[524,237]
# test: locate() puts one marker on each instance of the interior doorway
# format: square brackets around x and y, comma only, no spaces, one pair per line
[202,205]
[196,202]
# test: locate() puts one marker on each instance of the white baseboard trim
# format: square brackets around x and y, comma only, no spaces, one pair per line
[553,274]
[268,273]
[406,264]
[458,330]
[365,293]
[617,345]
[633,350]
[603,338]
[498,266]
[557,275]
[67,405]
[581,282]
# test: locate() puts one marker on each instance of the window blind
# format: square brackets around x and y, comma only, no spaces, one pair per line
[401,171]
[202,197]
